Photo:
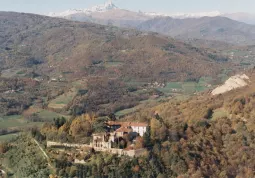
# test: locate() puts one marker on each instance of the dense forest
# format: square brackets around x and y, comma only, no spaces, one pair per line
[49,56]
[185,139]
[63,80]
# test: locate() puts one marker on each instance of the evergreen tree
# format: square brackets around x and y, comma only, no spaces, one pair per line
[147,138]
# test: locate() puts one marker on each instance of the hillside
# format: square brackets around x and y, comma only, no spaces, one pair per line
[198,107]
[106,92]
[207,28]
[227,28]
[232,83]
[57,46]
[242,17]
[234,28]
[203,136]
[106,14]
[73,59]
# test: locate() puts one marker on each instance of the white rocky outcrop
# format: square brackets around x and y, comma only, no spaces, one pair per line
[232,83]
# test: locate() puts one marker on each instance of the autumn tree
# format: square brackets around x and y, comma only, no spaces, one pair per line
[139,142]
[158,129]
[4,148]
[82,125]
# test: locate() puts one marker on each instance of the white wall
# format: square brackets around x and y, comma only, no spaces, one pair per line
[140,130]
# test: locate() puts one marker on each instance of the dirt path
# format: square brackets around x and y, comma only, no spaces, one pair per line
[45,154]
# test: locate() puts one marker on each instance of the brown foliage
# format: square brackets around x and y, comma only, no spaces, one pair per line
[4,148]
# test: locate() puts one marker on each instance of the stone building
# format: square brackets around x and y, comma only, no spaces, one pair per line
[128,127]
[103,140]
[117,130]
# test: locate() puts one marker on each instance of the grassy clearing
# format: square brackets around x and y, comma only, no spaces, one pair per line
[189,87]
[44,114]
[192,87]
[186,87]
[49,115]
[219,113]
[177,90]
[5,138]
[172,87]
[16,121]
[62,101]
[11,121]
[175,85]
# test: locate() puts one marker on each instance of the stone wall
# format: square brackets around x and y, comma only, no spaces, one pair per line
[51,144]
[120,152]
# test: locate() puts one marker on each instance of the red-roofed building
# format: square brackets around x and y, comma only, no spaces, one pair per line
[127,127]
[123,130]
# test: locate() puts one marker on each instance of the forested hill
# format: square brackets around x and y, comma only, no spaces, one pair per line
[54,66]
[105,60]
[205,136]
[60,47]
[207,28]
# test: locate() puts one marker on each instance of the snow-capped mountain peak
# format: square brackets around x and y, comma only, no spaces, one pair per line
[186,15]
[66,13]
[107,6]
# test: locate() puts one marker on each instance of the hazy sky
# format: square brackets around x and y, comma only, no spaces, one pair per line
[167,6]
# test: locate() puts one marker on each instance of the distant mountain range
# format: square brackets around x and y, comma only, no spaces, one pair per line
[110,6]
[242,17]
[99,8]
[216,26]
[105,14]
[114,62]
[207,28]
[58,46]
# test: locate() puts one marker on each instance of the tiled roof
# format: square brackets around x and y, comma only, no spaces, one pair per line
[124,129]
[138,124]
[126,124]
